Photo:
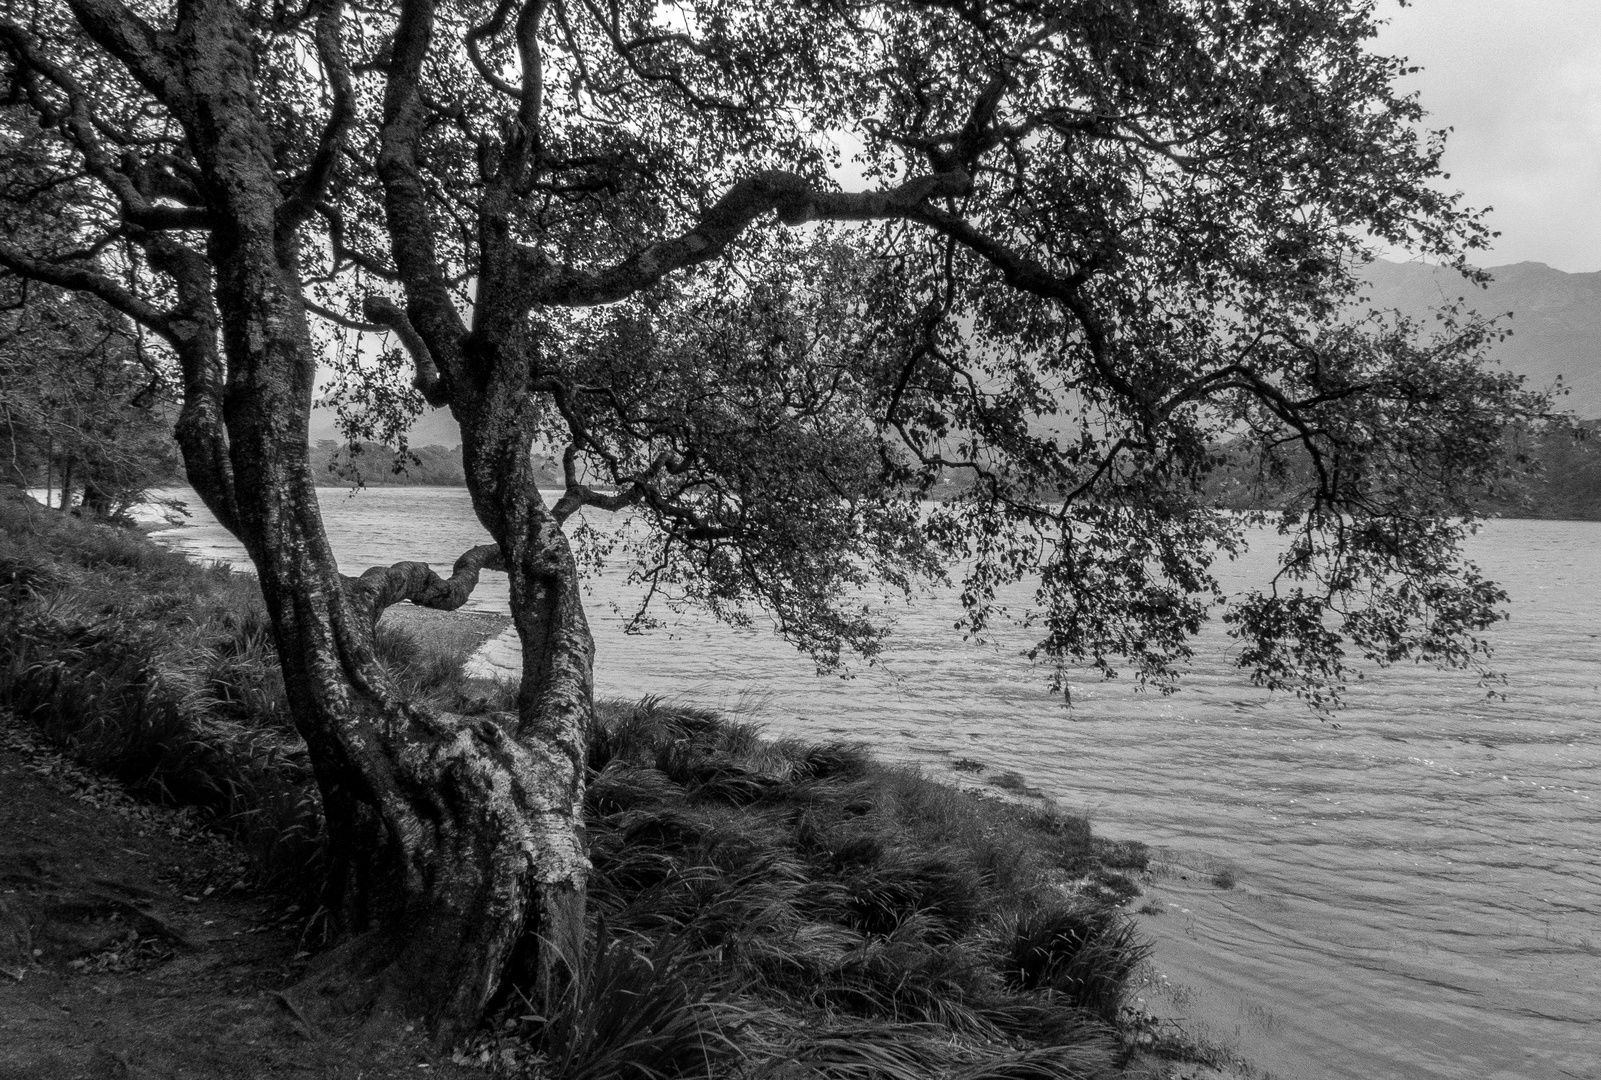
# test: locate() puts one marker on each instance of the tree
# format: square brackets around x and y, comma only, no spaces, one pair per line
[76,403]
[1093,239]
[77,392]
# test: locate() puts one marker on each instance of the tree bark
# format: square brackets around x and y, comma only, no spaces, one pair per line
[451,839]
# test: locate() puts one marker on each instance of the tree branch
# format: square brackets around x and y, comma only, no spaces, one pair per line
[411,229]
[311,186]
[527,147]
[82,279]
[496,23]
[201,431]
[428,381]
[385,586]
[146,51]
[84,129]
[788,195]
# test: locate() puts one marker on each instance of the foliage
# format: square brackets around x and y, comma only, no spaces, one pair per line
[76,403]
[1104,240]
[1558,473]
[376,465]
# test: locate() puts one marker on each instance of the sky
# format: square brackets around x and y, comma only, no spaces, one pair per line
[1520,82]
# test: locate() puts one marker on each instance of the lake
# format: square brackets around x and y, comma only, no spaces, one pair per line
[1416,881]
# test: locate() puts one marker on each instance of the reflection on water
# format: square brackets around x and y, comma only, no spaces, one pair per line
[1419,879]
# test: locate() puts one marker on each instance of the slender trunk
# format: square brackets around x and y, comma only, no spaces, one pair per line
[49,468]
[66,484]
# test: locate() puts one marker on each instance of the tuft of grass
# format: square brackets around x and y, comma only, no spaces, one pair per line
[1084,954]
[1014,783]
[629,1015]
[1122,854]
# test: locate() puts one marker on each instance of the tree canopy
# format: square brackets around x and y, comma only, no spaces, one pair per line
[764,273]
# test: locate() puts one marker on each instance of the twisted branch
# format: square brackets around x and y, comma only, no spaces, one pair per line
[383,587]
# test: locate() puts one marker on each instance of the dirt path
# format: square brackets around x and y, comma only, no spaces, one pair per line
[132,945]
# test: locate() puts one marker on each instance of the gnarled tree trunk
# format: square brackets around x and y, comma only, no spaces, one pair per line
[452,839]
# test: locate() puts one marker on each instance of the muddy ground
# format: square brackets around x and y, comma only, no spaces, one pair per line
[134,944]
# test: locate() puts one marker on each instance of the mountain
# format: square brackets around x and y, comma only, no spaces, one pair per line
[1555,323]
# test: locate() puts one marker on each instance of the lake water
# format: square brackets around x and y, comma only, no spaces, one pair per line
[1418,880]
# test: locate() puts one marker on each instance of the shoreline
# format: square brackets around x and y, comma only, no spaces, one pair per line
[450,632]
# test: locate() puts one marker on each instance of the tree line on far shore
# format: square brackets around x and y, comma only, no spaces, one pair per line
[373,464]
[1556,476]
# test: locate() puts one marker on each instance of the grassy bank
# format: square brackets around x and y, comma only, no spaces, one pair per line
[760,908]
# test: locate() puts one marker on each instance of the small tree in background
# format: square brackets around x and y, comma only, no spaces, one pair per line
[1090,241]
[79,412]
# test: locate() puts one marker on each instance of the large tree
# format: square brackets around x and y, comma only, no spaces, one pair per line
[1082,243]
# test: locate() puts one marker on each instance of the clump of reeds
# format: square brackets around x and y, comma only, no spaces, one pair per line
[832,916]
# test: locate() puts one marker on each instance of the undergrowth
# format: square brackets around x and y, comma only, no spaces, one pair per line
[163,674]
[764,909]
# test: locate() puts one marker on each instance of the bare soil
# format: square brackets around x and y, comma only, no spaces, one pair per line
[133,944]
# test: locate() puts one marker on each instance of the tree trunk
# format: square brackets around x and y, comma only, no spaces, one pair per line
[66,484]
[96,500]
[555,703]
[452,840]
[450,837]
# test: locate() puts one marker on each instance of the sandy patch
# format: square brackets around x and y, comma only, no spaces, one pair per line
[448,631]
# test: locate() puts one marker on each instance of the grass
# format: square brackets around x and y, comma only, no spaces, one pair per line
[766,909]
[163,675]
[848,918]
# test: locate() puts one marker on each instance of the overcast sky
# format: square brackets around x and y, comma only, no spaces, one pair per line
[1520,81]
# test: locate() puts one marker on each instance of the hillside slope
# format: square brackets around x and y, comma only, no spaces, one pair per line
[1555,318]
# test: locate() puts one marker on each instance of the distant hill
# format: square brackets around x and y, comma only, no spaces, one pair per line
[1555,324]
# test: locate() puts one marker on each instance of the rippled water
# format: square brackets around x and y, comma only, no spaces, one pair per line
[1418,881]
